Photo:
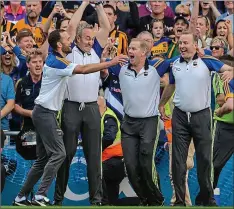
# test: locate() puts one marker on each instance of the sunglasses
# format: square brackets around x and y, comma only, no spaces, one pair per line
[215,47]
[181,14]
[7,52]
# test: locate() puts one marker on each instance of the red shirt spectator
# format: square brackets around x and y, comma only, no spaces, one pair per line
[14,12]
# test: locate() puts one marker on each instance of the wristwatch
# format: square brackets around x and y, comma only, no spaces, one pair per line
[98,3]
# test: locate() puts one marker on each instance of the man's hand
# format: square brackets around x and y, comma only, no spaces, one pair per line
[166,146]
[121,59]
[163,114]
[227,76]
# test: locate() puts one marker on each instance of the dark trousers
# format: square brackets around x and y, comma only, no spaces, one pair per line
[184,127]
[139,144]
[88,122]
[50,151]
[3,176]
[223,147]
[113,174]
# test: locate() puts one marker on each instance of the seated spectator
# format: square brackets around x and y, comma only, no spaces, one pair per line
[118,37]
[7,100]
[223,28]
[5,25]
[33,21]
[218,47]
[158,8]
[209,10]
[14,11]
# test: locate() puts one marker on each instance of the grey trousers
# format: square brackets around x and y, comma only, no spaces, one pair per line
[50,151]
[87,121]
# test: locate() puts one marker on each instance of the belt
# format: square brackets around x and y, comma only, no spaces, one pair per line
[81,104]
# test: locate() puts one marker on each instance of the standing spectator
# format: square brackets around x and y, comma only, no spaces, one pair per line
[33,21]
[229,5]
[209,10]
[158,8]
[191,116]
[223,28]
[14,11]
[125,20]
[7,100]
[116,36]
[28,88]
[183,10]
[5,25]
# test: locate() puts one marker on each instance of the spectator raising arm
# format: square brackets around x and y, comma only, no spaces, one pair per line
[75,20]
[103,33]
[194,16]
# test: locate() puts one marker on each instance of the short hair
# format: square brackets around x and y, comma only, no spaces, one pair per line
[110,7]
[59,23]
[187,32]
[145,33]
[154,21]
[143,44]
[54,38]
[81,27]
[227,59]
[32,54]
[25,32]
[222,40]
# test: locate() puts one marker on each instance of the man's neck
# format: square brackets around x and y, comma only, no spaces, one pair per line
[15,9]
[35,78]
[138,67]
[61,53]
[190,58]
[33,21]
[158,16]
[112,27]
[205,11]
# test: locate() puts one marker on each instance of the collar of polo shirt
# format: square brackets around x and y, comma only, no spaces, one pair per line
[194,58]
[57,54]
[146,66]
[84,53]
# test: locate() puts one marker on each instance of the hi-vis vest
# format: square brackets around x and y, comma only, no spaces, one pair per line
[110,112]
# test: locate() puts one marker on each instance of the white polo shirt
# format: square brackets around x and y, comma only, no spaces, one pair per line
[193,82]
[54,80]
[140,92]
[84,88]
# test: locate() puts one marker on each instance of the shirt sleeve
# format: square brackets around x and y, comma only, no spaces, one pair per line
[162,67]
[10,90]
[66,71]
[114,69]
[97,48]
[212,63]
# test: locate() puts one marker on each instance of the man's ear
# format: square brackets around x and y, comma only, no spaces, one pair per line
[27,65]
[59,45]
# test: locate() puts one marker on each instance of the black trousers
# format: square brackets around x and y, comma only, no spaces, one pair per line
[184,127]
[113,174]
[88,122]
[3,176]
[223,147]
[139,144]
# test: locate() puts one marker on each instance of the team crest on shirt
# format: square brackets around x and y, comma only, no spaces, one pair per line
[27,92]
[176,69]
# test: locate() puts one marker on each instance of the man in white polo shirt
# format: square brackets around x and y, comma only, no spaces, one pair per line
[80,113]
[140,86]
[191,116]
[50,147]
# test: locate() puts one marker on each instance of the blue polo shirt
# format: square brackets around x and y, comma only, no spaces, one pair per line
[7,93]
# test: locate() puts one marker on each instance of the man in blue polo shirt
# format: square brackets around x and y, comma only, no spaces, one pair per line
[191,116]
[7,100]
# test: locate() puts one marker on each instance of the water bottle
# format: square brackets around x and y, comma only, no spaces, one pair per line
[217,196]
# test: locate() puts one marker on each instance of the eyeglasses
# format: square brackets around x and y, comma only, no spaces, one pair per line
[181,14]
[215,47]
[8,52]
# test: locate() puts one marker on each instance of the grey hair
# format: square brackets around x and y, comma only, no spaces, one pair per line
[145,33]
[81,27]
